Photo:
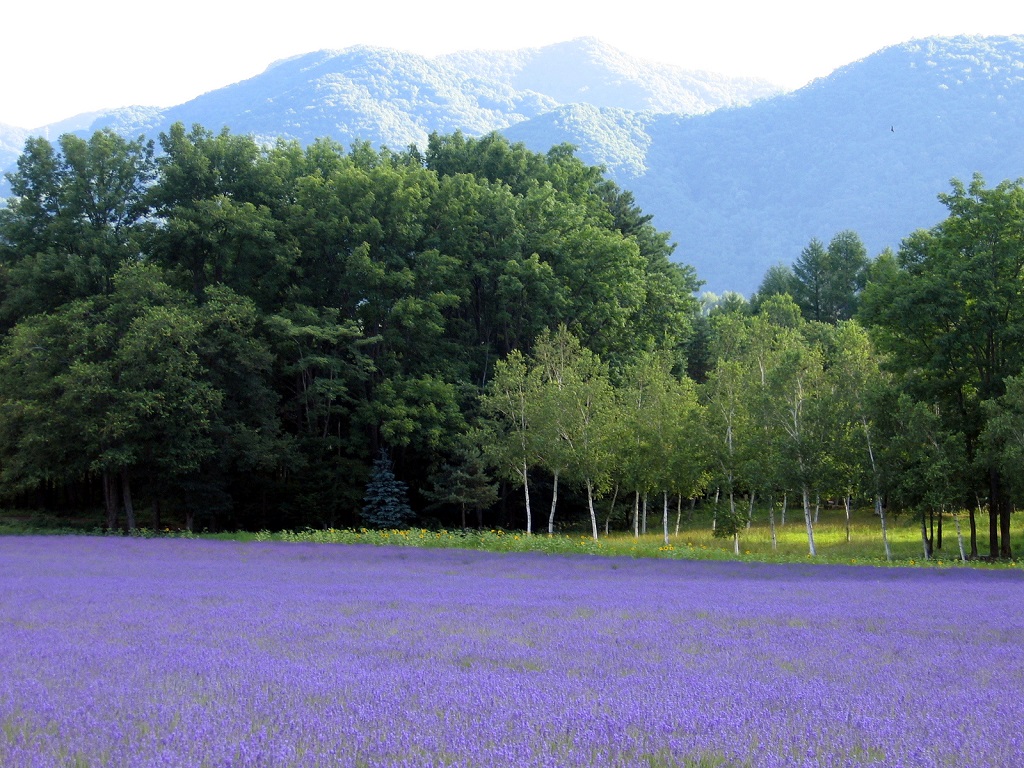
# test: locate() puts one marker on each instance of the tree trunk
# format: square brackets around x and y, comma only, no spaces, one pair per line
[611,511]
[126,492]
[636,515]
[808,521]
[750,510]
[973,522]
[785,502]
[846,504]
[959,535]
[994,500]
[925,543]
[679,512]
[554,503]
[736,543]
[643,525]
[526,492]
[771,524]
[590,503]
[880,511]
[1006,547]
[110,501]
[817,507]
[664,517]
[462,507]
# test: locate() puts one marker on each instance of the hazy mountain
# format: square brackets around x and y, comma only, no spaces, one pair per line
[393,98]
[587,71]
[868,148]
[613,137]
[742,178]
[12,141]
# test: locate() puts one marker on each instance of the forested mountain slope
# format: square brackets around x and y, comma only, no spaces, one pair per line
[867,148]
[393,98]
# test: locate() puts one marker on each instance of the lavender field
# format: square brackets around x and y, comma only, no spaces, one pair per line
[132,652]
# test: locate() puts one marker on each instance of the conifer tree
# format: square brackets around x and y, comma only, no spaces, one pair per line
[386,502]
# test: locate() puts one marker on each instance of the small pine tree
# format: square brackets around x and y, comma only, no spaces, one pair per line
[385,504]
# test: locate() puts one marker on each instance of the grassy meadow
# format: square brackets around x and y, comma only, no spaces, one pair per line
[694,541]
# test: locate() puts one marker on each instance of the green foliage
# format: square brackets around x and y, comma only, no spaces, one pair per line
[951,319]
[825,283]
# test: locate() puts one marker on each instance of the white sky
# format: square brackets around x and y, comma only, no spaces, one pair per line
[70,56]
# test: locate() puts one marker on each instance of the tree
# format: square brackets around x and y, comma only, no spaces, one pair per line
[811,273]
[952,319]
[584,426]
[385,504]
[464,481]
[827,281]
[111,385]
[779,280]
[78,212]
[508,401]
[847,265]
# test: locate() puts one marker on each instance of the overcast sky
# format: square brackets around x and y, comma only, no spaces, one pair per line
[66,57]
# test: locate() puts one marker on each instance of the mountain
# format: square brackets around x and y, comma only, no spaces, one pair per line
[12,141]
[868,148]
[392,98]
[587,71]
[741,174]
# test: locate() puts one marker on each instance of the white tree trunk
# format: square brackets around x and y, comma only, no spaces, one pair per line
[590,503]
[808,521]
[554,503]
[643,525]
[664,518]
[636,515]
[771,524]
[959,535]
[846,503]
[750,510]
[880,511]
[526,491]
[785,501]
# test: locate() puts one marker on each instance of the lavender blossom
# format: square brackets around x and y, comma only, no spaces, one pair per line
[132,652]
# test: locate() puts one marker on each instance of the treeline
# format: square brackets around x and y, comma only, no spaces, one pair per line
[233,333]
[240,336]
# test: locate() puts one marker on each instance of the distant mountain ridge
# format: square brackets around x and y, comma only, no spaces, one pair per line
[742,174]
[393,98]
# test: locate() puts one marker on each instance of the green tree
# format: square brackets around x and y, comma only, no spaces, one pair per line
[464,481]
[508,402]
[828,281]
[78,211]
[952,318]
[111,386]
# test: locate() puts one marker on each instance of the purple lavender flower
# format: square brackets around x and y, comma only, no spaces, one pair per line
[130,652]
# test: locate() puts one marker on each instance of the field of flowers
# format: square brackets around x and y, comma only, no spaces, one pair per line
[164,652]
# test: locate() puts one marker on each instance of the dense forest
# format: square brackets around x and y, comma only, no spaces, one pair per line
[232,335]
